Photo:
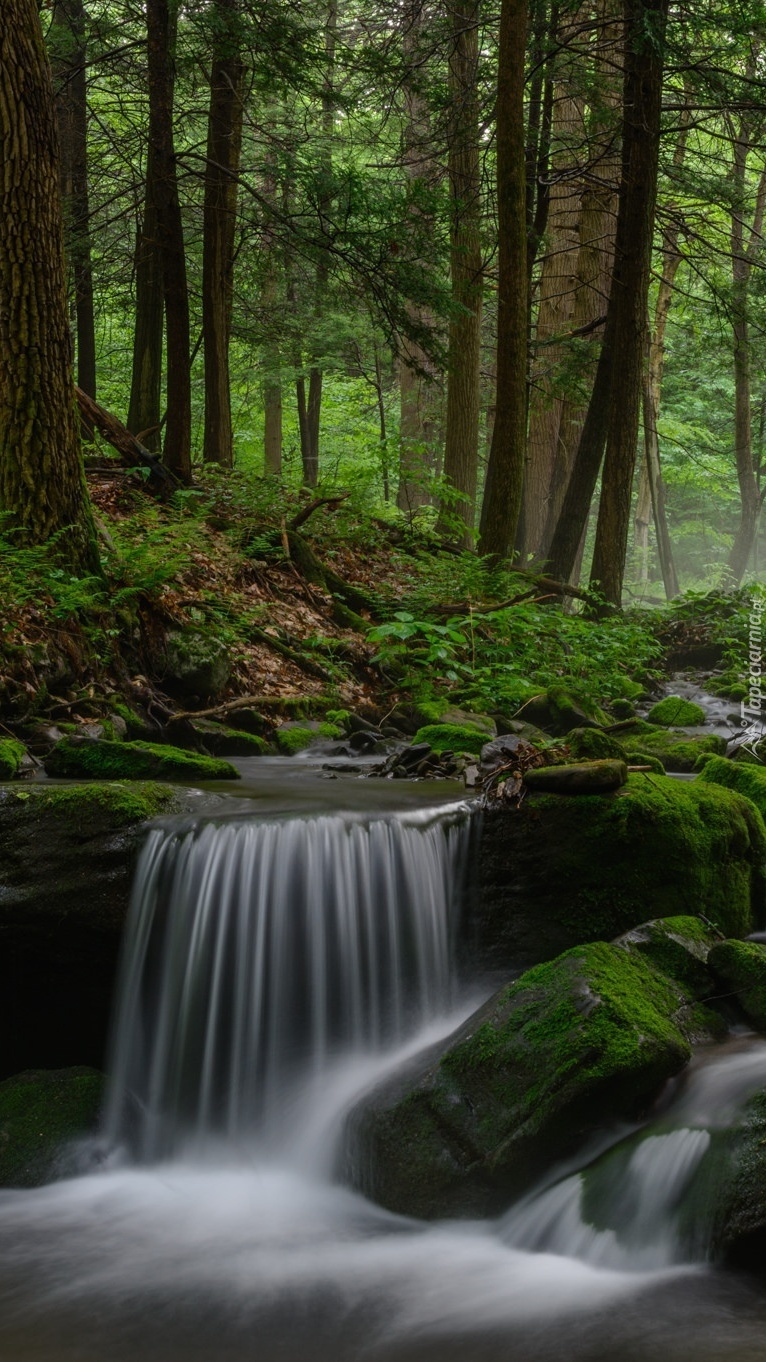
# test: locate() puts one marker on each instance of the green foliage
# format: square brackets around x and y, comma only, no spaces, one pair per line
[12,754]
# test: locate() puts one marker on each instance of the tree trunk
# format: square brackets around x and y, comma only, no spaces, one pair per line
[645,22]
[461,449]
[613,412]
[224,145]
[161,27]
[557,299]
[41,478]
[595,260]
[743,254]
[145,409]
[505,472]
[72,116]
[416,371]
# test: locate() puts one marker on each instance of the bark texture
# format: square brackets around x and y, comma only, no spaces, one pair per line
[41,477]
[505,471]
[145,408]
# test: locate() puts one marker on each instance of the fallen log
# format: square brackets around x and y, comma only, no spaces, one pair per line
[132,453]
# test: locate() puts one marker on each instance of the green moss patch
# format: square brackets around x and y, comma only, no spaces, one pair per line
[40,1111]
[12,755]
[113,803]
[741,776]
[591,744]
[452,738]
[588,1037]
[677,751]
[675,710]
[678,947]
[80,759]
[741,966]
[558,711]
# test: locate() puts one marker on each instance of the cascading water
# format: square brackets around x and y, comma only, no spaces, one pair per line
[259,954]
[274,970]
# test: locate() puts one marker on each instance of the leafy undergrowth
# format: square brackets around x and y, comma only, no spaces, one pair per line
[433,625]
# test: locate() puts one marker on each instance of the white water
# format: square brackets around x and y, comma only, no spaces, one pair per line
[275,971]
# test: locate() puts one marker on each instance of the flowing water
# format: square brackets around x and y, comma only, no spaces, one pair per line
[276,968]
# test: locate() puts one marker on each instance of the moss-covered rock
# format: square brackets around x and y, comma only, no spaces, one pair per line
[292,738]
[679,948]
[13,756]
[195,663]
[40,1112]
[578,778]
[674,710]
[560,871]
[741,967]
[646,759]
[678,751]
[586,1038]
[747,780]
[591,744]
[737,1191]
[558,711]
[83,758]
[215,740]
[66,872]
[452,738]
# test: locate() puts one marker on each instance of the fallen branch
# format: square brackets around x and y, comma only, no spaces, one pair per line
[306,664]
[230,706]
[131,452]
[303,515]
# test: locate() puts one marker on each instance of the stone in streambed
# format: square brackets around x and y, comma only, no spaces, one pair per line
[740,776]
[674,711]
[84,758]
[586,1038]
[41,1111]
[558,712]
[740,966]
[593,777]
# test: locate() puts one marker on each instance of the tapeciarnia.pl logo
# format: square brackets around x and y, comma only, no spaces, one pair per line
[751,709]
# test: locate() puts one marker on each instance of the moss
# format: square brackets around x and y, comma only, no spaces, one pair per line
[558,711]
[40,1111]
[741,776]
[646,759]
[741,966]
[121,805]
[133,761]
[676,750]
[678,947]
[675,710]
[591,744]
[292,740]
[452,738]
[579,1040]
[135,725]
[622,709]
[12,754]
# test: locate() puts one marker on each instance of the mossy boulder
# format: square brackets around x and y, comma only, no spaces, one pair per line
[578,778]
[294,737]
[733,775]
[679,948]
[741,967]
[559,871]
[13,758]
[84,758]
[66,875]
[195,663]
[558,711]
[678,751]
[587,1038]
[215,740]
[736,1195]
[646,759]
[41,1111]
[591,744]
[675,711]
[452,738]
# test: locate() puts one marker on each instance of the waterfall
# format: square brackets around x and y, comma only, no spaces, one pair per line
[260,953]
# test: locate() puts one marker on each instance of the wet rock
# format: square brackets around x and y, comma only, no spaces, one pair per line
[89,759]
[586,1038]
[41,1111]
[674,711]
[296,735]
[590,744]
[195,663]
[560,871]
[593,777]
[214,740]
[558,712]
[740,966]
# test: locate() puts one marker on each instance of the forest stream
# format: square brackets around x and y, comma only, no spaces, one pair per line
[276,968]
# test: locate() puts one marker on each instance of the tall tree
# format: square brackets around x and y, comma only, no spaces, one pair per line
[161,23]
[145,407]
[505,471]
[224,145]
[614,409]
[70,68]
[461,446]
[41,478]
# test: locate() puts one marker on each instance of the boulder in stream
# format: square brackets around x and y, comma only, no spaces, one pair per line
[741,967]
[88,758]
[559,871]
[585,1039]
[674,711]
[41,1112]
[578,778]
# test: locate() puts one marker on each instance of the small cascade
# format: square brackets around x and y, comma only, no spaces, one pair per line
[261,953]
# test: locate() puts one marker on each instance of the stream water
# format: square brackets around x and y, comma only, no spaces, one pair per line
[275,968]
